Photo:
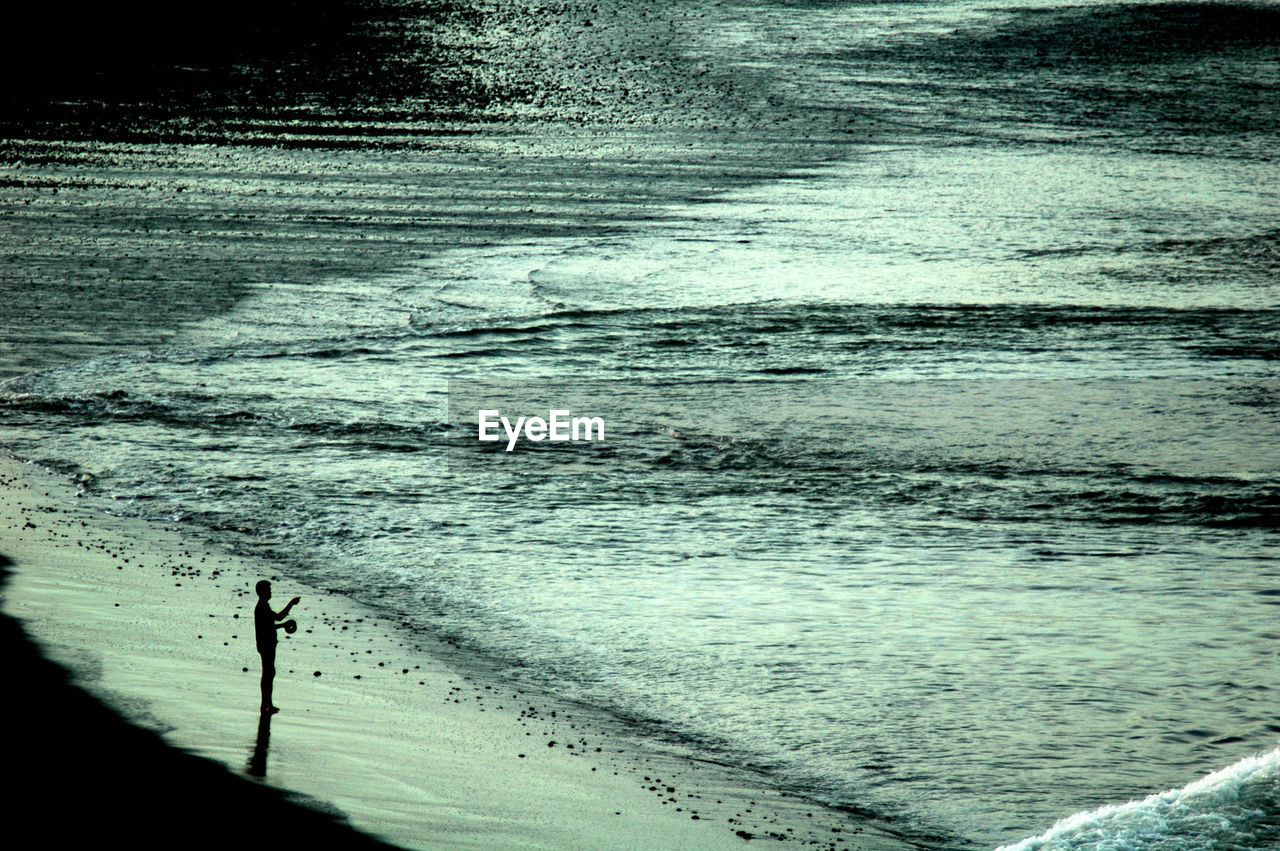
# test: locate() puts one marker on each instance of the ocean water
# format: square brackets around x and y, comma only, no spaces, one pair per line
[937,343]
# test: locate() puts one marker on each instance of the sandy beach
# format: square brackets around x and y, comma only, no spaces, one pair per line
[937,347]
[373,732]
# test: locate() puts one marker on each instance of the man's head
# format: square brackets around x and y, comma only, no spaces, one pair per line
[264,589]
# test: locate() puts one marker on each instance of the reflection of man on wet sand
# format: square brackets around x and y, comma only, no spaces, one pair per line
[265,626]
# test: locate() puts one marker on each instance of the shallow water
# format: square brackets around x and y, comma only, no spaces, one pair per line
[936,340]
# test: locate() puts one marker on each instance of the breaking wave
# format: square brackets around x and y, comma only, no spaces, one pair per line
[1237,807]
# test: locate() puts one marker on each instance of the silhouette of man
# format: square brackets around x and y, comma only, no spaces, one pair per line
[265,626]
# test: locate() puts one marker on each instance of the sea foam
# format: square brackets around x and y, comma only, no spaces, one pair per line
[1236,807]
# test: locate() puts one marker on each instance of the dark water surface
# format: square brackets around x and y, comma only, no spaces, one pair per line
[938,343]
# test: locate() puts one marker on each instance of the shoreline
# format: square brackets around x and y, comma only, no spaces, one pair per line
[118,762]
[375,727]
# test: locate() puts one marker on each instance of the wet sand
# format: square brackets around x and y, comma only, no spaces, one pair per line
[123,780]
[376,729]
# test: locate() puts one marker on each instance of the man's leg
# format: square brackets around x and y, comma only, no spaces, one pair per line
[268,678]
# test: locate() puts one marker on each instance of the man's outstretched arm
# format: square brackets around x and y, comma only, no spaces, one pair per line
[284,613]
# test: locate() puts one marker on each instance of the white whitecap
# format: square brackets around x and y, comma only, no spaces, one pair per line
[1235,807]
